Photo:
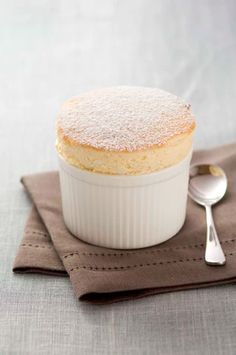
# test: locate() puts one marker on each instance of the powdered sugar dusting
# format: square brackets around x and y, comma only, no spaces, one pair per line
[124,118]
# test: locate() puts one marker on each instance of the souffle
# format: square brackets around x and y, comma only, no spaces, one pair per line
[124,130]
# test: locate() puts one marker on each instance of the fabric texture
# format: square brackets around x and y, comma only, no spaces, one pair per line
[102,275]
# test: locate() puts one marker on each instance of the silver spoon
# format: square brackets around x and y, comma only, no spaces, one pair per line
[207,186]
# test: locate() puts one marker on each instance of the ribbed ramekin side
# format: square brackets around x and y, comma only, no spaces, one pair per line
[124,217]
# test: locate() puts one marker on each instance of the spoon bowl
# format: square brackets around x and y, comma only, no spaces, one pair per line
[207,186]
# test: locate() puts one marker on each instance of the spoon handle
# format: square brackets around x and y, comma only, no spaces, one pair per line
[214,254]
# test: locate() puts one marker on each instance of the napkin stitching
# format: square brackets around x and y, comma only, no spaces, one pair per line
[127,253]
[114,268]
[37,232]
[143,252]
[126,267]
[36,245]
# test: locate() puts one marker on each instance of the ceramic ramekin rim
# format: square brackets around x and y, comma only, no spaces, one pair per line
[125,180]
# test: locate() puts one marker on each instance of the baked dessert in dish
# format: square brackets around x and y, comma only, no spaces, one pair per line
[124,156]
[124,130]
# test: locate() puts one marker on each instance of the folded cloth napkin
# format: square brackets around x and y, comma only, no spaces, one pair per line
[102,275]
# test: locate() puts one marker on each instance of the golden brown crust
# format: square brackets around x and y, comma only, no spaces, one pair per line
[124,130]
[69,141]
[123,119]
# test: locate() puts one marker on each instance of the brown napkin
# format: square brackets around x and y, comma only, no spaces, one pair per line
[103,275]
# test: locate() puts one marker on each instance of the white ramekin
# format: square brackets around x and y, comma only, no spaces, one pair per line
[124,212]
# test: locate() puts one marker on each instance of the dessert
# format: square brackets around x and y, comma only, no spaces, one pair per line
[124,130]
[124,155]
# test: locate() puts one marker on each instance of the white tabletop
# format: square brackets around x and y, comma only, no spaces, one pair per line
[51,50]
